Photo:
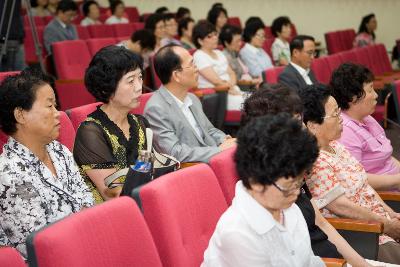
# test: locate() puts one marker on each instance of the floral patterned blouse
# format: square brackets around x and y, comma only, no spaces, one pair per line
[31,197]
[335,174]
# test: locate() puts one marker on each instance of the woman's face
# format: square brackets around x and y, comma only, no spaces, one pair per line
[366,105]
[119,10]
[258,39]
[188,32]
[159,30]
[221,20]
[331,128]
[53,2]
[42,3]
[43,119]
[129,90]
[171,27]
[210,42]
[286,32]
[372,24]
[235,44]
[94,12]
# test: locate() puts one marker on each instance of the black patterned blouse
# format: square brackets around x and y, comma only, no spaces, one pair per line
[101,144]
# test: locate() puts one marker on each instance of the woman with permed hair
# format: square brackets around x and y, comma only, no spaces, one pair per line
[364,138]
[117,8]
[366,31]
[110,138]
[281,28]
[272,156]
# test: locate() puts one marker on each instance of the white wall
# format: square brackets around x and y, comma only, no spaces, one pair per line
[313,17]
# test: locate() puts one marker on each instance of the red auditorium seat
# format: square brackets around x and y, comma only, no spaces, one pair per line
[77,20]
[67,131]
[79,114]
[5,74]
[348,37]
[96,44]
[182,209]
[321,70]
[224,168]
[83,32]
[348,56]
[71,59]
[10,257]
[29,46]
[39,22]
[138,26]
[363,57]
[334,62]
[123,29]
[93,238]
[133,13]
[143,100]
[267,45]
[47,19]
[101,31]
[3,140]
[104,17]
[73,93]
[235,21]
[268,32]
[272,74]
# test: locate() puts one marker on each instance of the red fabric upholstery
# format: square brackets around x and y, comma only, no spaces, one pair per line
[47,19]
[39,22]
[338,41]
[5,74]
[104,17]
[182,209]
[267,45]
[111,234]
[123,29]
[224,168]
[101,31]
[96,44]
[3,140]
[67,131]
[272,74]
[143,100]
[73,94]
[77,20]
[363,57]
[348,37]
[232,116]
[348,56]
[29,46]
[383,56]
[83,32]
[71,59]
[133,13]
[138,25]
[321,70]
[235,21]
[334,62]
[10,257]
[268,32]
[79,114]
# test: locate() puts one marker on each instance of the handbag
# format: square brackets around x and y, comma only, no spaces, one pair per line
[161,164]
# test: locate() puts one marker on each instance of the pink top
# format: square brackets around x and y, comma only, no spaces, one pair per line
[367,142]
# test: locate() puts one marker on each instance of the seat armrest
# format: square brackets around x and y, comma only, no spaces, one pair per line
[389,195]
[188,164]
[333,262]
[70,81]
[356,225]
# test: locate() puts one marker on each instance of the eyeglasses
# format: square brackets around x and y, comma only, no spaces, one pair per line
[311,53]
[334,115]
[260,35]
[190,66]
[288,191]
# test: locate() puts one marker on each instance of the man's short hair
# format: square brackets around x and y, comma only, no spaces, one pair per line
[166,61]
[298,42]
[66,5]
[146,39]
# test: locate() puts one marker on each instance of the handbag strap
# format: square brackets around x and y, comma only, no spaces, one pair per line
[109,180]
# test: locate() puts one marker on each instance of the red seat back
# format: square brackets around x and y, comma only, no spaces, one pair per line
[3,140]
[363,57]
[272,74]
[348,56]
[384,58]
[268,32]
[182,209]
[10,257]
[321,70]
[71,59]
[143,101]
[73,94]
[93,238]
[67,131]
[101,31]
[133,13]
[39,22]
[78,114]
[223,165]
[47,19]
[96,44]
[123,29]
[334,62]
[348,38]
[83,32]
[5,74]
[29,46]
[377,65]
[267,45]
[235,21]
[138,26]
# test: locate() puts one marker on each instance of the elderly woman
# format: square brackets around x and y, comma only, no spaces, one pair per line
[366,31]
[111,138]
[363,137]
[277,99]
[273,154]
[91,11]
[212,64]
[281,28]
[39,181]
[117,8]
[338,182]
[252,53]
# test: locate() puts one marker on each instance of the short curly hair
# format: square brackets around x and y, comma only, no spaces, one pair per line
[250,30]
[107,68]
[271,147]
[227,33]
[272,100]
[347,82]
[201,30]
[278,24]
[18,91]
[314,98]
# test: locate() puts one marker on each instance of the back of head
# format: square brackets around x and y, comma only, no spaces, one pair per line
[298,42]
[183,25]
[227,33]
[165,62]
[182,12]
[254,19]
[146,39]
[161,10]
[66,5]
[314,98]
[278,23]
[152,21]
[270,101]
[347,82]
[201,30]
[213,14]
[251,29]
[106,69]
[274,146]
[86,7]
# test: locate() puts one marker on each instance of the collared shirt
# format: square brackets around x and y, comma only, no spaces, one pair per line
[256,59]
[248,235]
[185,108]
[88,21]
[31,196]
[280,50]
[115,20]
[367,142]
[303,72]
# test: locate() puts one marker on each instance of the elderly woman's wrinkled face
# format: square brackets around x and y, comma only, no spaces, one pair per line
[129,90]
[366,105]
[331,128]
[43,119]
[235,44]
[258,39]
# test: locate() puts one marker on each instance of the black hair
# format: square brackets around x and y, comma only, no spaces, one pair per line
[314,98]
[298,42]
[363,25]
[227,33]
[106,69]
[278,24]
[201,30]
[152,20]
[86,6]
[217,5]
[165,62]
[254,19]
[169,16]
[34,3]
[271,147]
[146,39]
[114,5]
[66,5]
[347,82]
[214,13]
[272,99]
[19,91]
[183,25]
[161,10]
[181,12]
[250,30]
